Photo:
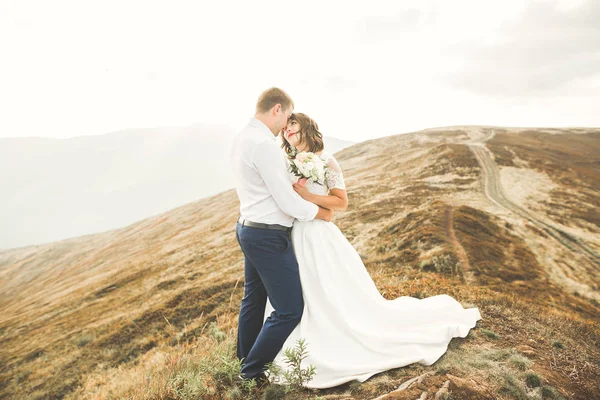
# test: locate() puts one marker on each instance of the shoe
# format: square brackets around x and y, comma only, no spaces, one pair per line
[261,380]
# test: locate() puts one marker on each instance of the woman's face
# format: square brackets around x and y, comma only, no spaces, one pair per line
[290,133]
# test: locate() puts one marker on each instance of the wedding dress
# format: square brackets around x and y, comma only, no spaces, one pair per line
[351,331]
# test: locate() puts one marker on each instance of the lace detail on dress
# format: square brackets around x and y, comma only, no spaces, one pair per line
[335,180]
[335,177]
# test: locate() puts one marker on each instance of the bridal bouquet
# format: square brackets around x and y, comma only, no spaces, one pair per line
[308,166]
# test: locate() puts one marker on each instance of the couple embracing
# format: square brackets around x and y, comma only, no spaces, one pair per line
[303,278]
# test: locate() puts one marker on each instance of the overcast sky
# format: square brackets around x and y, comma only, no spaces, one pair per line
[361,69]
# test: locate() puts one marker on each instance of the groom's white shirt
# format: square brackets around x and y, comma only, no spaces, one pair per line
[262,182]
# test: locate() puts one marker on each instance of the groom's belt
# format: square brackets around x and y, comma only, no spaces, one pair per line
[278,227]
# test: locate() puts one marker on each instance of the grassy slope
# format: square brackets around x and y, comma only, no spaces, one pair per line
[91,316]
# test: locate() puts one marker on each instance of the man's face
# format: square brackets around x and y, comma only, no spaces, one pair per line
[284,116]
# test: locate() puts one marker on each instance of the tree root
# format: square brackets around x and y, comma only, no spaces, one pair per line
[409,383]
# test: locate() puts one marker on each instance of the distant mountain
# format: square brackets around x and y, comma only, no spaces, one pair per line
[59,188]
[501,219]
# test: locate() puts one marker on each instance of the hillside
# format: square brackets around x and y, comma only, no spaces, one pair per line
[503,219]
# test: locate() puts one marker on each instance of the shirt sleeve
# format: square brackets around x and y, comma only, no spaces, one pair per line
[270,162]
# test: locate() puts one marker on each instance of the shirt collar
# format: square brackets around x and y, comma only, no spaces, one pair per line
[257,123]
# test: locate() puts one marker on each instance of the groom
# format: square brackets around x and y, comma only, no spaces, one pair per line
[268,207]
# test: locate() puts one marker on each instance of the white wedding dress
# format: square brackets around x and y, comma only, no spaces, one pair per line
[351,331]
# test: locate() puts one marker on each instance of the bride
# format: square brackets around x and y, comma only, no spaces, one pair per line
[352,332]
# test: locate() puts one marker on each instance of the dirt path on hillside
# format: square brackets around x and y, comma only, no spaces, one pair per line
[492,188]
[467,274]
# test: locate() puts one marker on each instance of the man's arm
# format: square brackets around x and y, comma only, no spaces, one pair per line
[270,161]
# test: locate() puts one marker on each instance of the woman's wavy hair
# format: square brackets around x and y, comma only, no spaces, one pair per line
[308,133]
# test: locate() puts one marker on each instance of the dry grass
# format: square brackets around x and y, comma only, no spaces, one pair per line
[128,313]
[571,161]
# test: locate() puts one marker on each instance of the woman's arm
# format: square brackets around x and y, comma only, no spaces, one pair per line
[337,200]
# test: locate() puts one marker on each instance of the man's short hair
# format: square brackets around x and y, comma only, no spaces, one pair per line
[271,97]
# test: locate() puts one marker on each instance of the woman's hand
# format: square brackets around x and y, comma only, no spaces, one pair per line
[301,190]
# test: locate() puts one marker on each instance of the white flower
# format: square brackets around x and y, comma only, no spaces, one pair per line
[310,166]
[301,157]
[318,162]
[321,174]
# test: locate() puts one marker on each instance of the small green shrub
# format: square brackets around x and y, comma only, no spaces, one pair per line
[510,385]
[490,334]
[497,354]
[188,383]
[274,392]
[445,264]
[295,377]
[532,379]
[427,266]
[519,362]
[84,339]
[234,393]
[355,387]
[557,344]
[215,332]
[548,392]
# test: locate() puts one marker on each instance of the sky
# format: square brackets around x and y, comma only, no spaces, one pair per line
[360,69]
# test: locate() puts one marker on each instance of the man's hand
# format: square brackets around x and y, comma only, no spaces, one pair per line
[325,214]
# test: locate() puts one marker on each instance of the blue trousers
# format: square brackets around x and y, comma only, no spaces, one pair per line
[270,269]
